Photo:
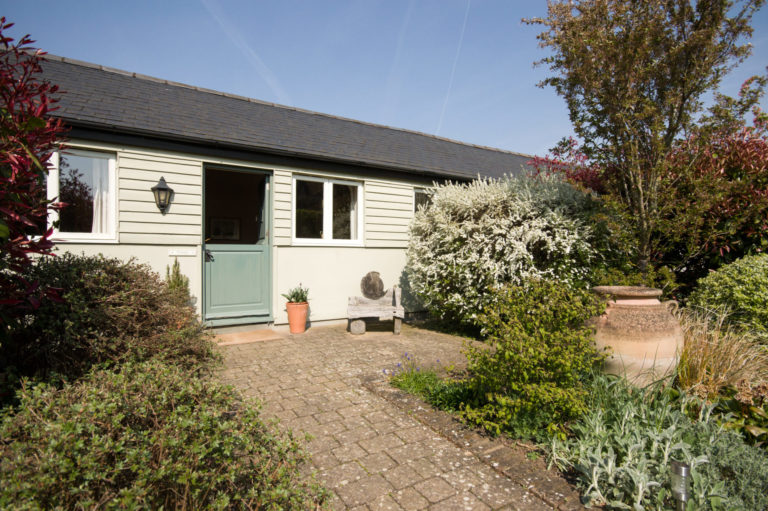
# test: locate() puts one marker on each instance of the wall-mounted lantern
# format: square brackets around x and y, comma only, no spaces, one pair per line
[163,194]
[680,475]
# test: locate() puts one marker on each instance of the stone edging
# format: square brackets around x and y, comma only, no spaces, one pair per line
[508,460]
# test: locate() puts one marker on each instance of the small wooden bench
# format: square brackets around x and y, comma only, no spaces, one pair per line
[385,307]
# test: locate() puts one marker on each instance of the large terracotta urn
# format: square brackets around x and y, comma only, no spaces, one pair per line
[643,336]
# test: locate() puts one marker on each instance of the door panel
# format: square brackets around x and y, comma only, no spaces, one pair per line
[237,272]
[235,281]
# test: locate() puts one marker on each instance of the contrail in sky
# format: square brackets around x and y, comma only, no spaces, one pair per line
[453,69]
[393,85]
[233,34]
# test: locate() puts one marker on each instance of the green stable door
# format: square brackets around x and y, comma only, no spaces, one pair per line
[237,277]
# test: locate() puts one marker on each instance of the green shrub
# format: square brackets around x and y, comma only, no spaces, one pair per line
[484,234]
[620,451]
[530,377]
[177,282]
[111,311]
[146,437]
[741,288]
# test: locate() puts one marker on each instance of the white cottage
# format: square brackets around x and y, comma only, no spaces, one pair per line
[264,196]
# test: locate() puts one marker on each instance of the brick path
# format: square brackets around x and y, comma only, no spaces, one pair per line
[370,453]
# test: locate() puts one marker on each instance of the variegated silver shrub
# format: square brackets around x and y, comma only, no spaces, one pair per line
[490,232]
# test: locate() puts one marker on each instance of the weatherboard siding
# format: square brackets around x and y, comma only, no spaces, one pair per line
[388,213]
[281,197]
[138,219]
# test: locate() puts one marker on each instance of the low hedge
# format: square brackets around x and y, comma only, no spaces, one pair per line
[146,437]
[110,311]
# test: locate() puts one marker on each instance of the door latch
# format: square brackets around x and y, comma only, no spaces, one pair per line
[208,256]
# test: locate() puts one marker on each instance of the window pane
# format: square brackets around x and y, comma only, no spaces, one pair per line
[309,209]
[421,199]
[84,187]
[344,212]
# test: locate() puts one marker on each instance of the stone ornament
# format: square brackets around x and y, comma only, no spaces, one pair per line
[371,286]
[375,303]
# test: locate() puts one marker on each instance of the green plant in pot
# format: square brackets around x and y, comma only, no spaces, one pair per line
[297,308]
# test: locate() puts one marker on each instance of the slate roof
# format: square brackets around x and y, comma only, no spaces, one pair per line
[110,99]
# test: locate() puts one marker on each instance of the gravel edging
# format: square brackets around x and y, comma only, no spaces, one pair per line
[506,459]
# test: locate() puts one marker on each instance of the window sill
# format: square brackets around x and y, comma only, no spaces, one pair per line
[326,243]
[73,240]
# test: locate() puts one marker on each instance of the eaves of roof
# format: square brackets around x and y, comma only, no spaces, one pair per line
[108,99]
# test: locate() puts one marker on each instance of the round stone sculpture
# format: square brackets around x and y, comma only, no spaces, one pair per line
[371,286]
[644,337]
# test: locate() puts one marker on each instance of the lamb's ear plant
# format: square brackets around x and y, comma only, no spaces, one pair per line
[621,450]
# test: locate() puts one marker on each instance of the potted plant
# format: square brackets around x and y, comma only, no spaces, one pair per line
[297,308]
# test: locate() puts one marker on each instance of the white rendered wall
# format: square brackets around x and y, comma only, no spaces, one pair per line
[332,275]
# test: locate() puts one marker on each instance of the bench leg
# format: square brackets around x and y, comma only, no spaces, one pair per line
[357,326]
[398,325]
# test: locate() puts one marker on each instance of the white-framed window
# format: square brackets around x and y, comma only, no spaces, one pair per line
[421,198]
[86,181]
[327,211]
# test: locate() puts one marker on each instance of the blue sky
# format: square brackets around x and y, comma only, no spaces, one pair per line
[455,68]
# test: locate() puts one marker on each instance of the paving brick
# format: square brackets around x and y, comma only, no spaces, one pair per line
[411,500]
[364,490]
[385,503]
[401,476]
[435,489]
[378,462]
[341,475]
[372,454]
[464,501]
[349,452]
[380,443]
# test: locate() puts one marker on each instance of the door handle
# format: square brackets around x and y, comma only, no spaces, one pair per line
[208,256]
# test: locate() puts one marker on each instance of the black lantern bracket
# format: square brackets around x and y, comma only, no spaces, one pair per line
[163,195]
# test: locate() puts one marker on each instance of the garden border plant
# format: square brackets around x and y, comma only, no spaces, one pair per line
[147,435]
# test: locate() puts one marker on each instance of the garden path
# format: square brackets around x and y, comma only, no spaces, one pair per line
[372,454]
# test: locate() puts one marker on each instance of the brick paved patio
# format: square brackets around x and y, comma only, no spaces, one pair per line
[372,454]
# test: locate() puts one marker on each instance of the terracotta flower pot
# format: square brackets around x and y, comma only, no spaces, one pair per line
[297,316]
[644,338]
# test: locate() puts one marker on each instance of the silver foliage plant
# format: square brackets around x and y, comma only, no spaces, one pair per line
[474,236]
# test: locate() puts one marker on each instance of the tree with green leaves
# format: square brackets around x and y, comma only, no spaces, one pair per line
[634,74]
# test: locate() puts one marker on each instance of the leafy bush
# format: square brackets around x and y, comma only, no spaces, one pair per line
[741,288]
[28,138]
[146,437]
[714,200]
[111,311]
[744,408]
[476,236]
[531,377]
[621,450]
